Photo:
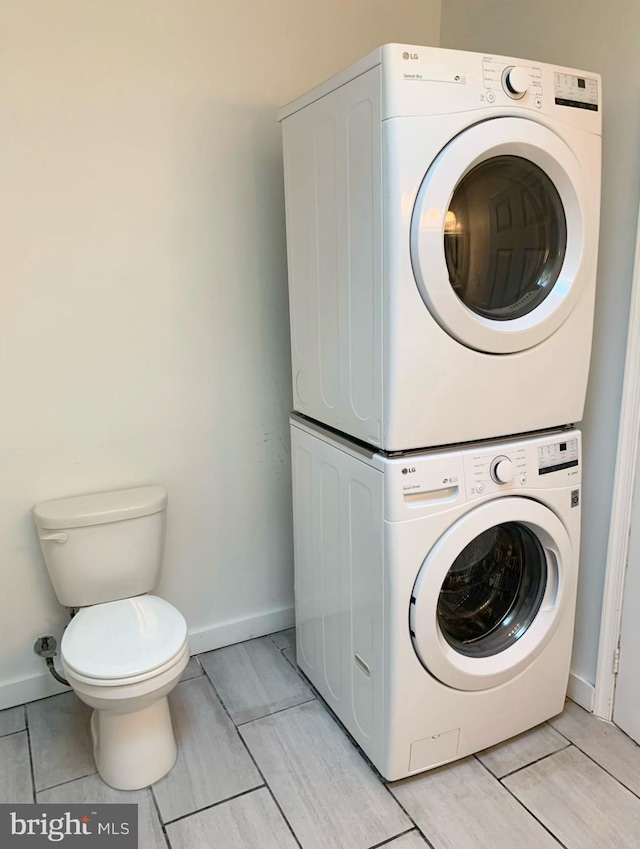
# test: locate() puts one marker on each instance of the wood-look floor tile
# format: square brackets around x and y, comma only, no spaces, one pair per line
[461,805]
[284,639]
[252,821]
[15,769]
[522,750]
[328,793]
[603,742]
[212,763]
[579,802]
[12,720]
[92,790]
[253,679]
[192,670]
[60,740]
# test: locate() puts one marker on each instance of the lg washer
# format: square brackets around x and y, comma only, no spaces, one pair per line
[436,590]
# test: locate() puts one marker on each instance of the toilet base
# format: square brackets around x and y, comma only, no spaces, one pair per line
[134,750]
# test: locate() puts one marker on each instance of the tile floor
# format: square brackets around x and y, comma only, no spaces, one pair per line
[262,764]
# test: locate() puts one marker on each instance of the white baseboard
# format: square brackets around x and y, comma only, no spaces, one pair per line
[30,689]
[207,639]
[581,691]
[35,687]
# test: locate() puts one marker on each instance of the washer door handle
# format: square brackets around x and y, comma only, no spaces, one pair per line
[553,580]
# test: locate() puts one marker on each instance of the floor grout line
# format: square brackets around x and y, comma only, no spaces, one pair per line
[68,781]
[273,713]
[212,805]
[13,733]
[521,803]
[255,763]
[156,807]
[390,840]
[29,749]
[408,816]
[525,766]
[594,761]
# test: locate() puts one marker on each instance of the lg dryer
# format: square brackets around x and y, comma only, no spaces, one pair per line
[435,591]
[442,229]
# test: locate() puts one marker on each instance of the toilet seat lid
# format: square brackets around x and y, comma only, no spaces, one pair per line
[122,639]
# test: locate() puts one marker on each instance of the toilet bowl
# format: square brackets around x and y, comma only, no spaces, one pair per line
[123,658]
[124,649]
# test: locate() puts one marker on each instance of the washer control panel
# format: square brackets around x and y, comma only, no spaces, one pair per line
[421,483]
[493,470]
[502,469]
[557,456]
[509,467]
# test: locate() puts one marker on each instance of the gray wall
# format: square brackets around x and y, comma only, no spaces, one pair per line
[603,37]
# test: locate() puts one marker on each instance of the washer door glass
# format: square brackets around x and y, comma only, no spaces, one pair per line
[505,237]
[493,591]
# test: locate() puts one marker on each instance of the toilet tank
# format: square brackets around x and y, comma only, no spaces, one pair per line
[105,546]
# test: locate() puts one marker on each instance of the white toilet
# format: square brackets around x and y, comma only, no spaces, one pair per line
[125,649]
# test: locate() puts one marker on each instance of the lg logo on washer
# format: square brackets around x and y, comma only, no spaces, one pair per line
[408,470]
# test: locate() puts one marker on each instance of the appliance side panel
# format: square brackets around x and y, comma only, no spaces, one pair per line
[366,574]
[339,581]
[333,615]
[302,262]
[330,214]
[332,157]
[364,308]
[303,552]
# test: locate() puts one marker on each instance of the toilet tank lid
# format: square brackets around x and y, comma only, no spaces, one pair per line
[100,508]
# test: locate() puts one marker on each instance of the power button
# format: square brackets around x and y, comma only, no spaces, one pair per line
[490,97]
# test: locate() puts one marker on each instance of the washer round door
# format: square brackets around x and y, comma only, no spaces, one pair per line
[490,594]
[497,235]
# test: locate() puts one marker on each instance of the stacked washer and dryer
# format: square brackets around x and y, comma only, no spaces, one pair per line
[442,229]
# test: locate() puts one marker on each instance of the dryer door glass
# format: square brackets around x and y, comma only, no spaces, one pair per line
[505,237]
[493,591]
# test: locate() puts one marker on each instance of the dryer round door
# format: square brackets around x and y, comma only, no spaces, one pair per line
[491,592]
[497,235]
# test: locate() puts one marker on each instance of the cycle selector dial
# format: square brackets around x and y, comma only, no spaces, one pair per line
[516,81]
[502,470]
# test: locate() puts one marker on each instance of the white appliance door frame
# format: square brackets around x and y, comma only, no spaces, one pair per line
[621,520]
[463,672]
[506,136]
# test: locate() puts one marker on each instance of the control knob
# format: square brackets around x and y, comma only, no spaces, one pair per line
[516,81]
[502,470]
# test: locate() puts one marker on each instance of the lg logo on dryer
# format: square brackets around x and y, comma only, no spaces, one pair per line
[408,470]
[406,55]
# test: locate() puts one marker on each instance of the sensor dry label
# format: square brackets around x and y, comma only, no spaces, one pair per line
[100,826]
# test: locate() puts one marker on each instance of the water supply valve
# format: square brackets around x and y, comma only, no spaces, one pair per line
[46,646]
